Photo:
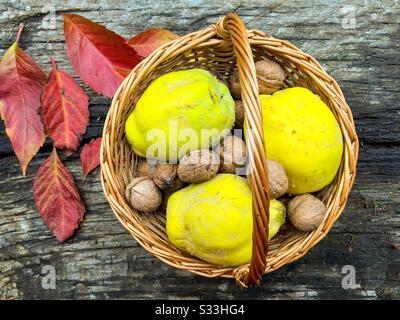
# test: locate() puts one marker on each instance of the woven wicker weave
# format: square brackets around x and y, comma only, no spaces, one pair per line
[221,48]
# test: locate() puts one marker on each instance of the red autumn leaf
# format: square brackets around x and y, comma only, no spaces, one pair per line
[90,156]
[21,83]
[100,57]
[65,110]
[57,198]
[149,40]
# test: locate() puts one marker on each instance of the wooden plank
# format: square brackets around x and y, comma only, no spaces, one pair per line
[353,56]
[103,261]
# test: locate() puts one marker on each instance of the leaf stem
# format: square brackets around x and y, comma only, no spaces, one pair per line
[21,28]
[53,63]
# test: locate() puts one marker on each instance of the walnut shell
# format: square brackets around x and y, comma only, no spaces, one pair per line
[234,85]
[239,114]
[232,151]
[306,212]
[143,194]
[277,178]
[198,166]
[145,169]
[270,77]
[165,175]
[167,193]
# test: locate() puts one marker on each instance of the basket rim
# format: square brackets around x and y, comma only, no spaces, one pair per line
[317,73]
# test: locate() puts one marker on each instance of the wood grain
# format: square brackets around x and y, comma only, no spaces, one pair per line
[102,261]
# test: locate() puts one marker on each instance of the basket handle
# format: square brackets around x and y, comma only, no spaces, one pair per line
[231,27]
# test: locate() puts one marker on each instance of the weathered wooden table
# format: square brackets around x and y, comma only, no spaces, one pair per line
[357,43]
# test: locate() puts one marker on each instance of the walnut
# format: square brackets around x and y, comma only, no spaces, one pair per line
[165,175]
[239,114]
[179,184]
[306,212]
[143,194]
[232,151]
[145,169]
[198,166]
[270,77]
[234,85]
[277,178]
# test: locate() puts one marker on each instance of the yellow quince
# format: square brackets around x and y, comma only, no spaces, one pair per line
[302,134]
[180,112]
[213,220]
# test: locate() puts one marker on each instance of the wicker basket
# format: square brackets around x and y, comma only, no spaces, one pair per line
[221,48]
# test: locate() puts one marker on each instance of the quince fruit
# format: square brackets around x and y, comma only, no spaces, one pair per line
[213,220]
[180,112]
[302,134]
